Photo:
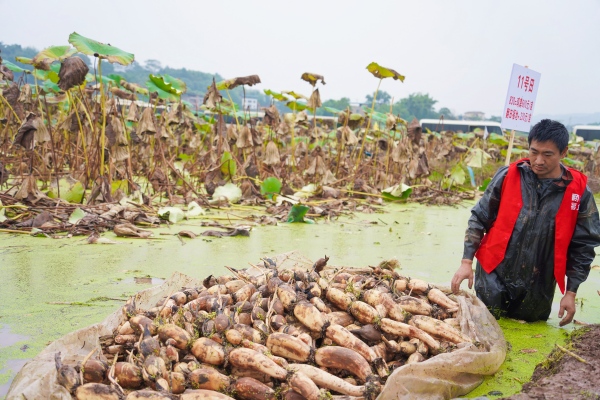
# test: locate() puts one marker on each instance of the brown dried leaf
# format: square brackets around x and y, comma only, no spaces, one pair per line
[271,117]
[314,101]
[146,124]
[122,94]
[240,231]
[130,230]
[132,114]
[245,138]
[312,78]
[272,154]
[72,73]
[11,94]
[242,80]
[28,189]
[6,73]
[188,234]
[212,96]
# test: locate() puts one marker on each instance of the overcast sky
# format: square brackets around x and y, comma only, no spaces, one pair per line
[460,52]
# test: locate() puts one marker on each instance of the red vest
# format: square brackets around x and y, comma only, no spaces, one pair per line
[493,245]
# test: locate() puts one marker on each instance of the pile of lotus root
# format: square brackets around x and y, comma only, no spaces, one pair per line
[327,333]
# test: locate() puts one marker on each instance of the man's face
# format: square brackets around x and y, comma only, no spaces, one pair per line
[545,159]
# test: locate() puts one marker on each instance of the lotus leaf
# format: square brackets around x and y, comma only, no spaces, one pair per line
[312,78]
[228,167]
[382,72]
[397,192]
[229,191]
[172,214]
[270,186]
[306,192]
[477,158]
[76,216]
[294,105]
[296,95]
[235,82]
[162,94]
[24,60]
[194,210]
[101,50]
[51,54]
[276,96]
[169,84]
[14,68]
[457,175]
[70,190]
[297,213]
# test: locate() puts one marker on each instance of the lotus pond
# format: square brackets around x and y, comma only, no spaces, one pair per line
[53,286]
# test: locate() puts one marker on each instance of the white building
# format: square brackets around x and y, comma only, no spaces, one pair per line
[249,104]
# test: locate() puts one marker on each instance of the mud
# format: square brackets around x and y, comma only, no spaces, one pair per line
[562,376]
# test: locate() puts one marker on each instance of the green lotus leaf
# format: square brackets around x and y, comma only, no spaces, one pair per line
[70,191]
[382,72]
[50,87]
[228,167]
[297,213]
[152,88]
[497,139]
[332,110]
[276,96]
[116,78]
[296,95]
[101,50]
[399,192]
[270,186]
[294,105]
[477,158]
[14,68]
[571,162]
[53,53]
[76,216]
[169,84]
[458,175]
[24,60]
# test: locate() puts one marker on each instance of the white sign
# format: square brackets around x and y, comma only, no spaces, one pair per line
[520,99]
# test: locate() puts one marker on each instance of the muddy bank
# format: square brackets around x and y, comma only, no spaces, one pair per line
[570,374]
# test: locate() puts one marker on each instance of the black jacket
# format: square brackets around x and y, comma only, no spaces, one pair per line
[522,285]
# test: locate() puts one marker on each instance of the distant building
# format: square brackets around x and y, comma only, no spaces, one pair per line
[249,104]
[474,115]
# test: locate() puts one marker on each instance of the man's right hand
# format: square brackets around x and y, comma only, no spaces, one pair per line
[465,271]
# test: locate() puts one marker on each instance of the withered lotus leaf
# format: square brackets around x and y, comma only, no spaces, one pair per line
[6,73]
[146,124]
[382,72]
[250,80]
[312,78]
[314,101]
[72,73]
[212,96]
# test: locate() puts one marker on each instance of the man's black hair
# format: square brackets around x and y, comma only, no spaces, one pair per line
[550,131]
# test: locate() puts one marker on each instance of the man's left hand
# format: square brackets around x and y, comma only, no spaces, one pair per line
[567,304]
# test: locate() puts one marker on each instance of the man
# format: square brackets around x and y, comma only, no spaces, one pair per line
[536,224]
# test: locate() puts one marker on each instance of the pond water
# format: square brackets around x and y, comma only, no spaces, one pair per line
[50,287]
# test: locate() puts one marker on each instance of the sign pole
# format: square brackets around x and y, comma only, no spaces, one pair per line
[510,146]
